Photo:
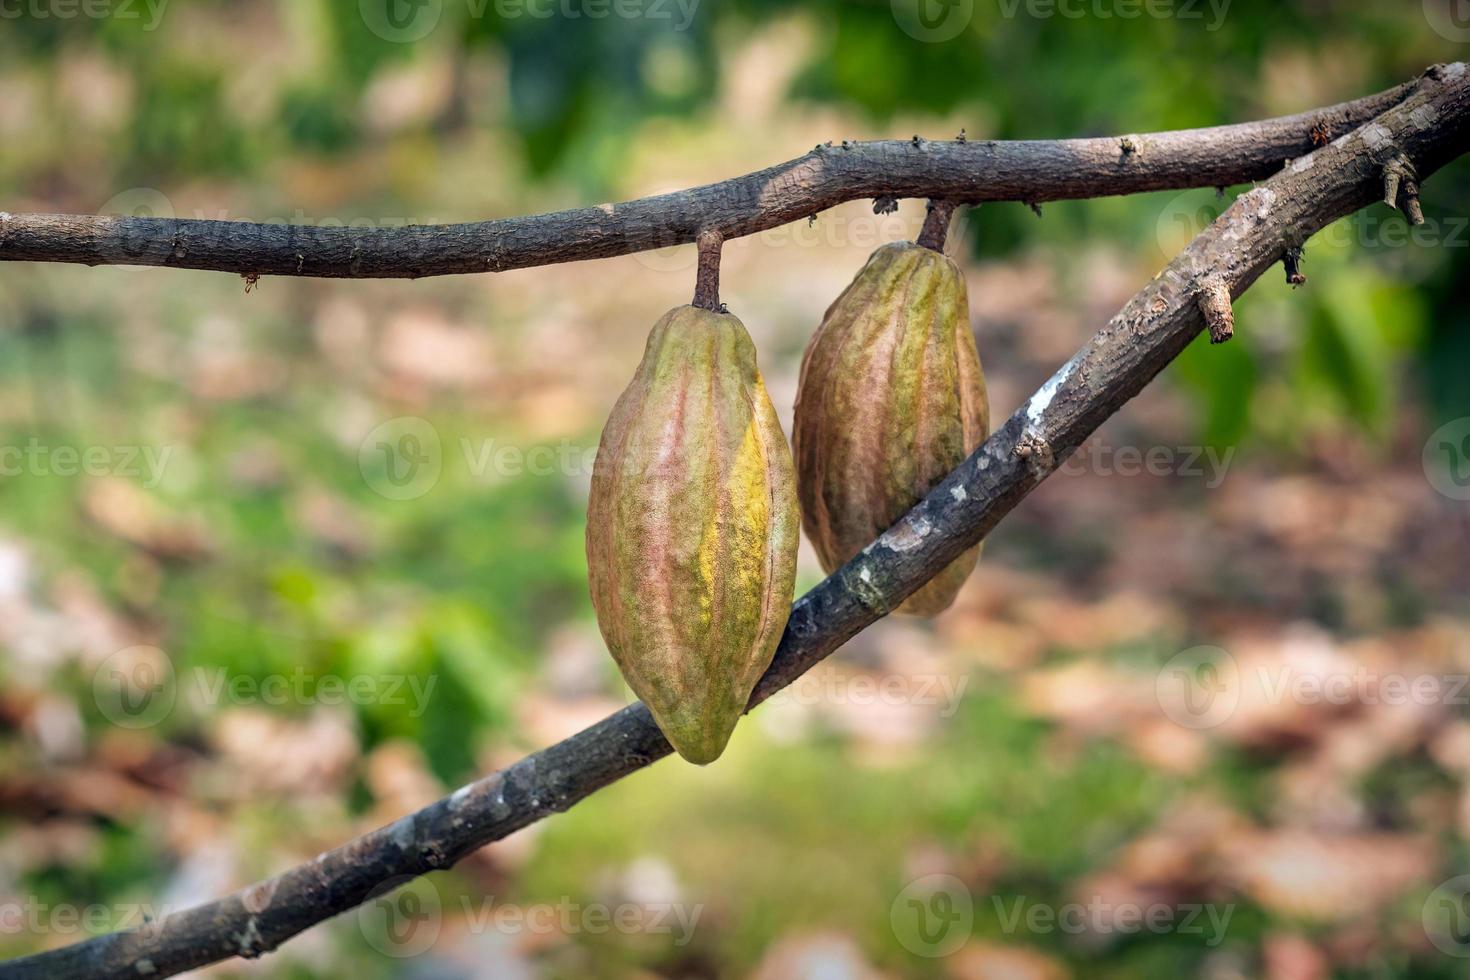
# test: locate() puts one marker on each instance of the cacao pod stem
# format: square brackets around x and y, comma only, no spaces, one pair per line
[936,225]
[707,278]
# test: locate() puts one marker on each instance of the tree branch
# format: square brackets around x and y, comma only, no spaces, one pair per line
[966,172]
[1429,128]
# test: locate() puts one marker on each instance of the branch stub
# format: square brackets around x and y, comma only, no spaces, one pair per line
[1213,297]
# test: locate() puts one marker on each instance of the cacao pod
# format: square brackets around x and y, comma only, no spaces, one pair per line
[891,398]
[692,529]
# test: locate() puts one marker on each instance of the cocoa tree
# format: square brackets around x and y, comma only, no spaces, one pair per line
[1315,168]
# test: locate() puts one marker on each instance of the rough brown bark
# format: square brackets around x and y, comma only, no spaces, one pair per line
[1429,128]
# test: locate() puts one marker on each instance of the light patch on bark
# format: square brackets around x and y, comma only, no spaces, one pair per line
[1041,401]
[248,942]
[1424,117]
[1267,198]
[907,534]
[1376,135]
[257,898]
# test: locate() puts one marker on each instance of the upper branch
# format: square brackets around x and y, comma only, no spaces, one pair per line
[1255,232]
[964,172]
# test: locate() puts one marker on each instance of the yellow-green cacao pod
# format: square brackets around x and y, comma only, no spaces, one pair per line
[891,399]
[692,529]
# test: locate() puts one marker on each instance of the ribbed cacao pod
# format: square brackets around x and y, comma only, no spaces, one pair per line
[891,398]
[692,529]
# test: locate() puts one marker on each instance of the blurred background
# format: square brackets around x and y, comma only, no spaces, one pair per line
[281,564]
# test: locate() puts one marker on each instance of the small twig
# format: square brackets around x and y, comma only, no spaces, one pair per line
[1213,296]
[707,281]
[1393,172]
[1293,260]
[1411,202]
[936,225]
[1400,179]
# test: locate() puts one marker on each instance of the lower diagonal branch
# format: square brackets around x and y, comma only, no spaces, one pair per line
[1111,368]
